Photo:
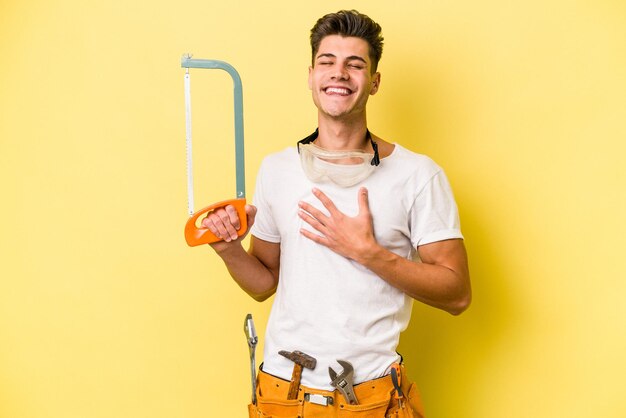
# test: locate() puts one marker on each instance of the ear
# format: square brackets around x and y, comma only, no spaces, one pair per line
[375,83]
[310,78]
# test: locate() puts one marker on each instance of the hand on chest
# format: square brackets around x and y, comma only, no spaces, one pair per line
[389,213]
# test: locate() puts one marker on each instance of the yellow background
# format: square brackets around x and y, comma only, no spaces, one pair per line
[105,312]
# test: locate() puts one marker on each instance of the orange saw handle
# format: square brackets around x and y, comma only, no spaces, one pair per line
[197,235]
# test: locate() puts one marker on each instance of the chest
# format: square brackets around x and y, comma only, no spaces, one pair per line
[389,203]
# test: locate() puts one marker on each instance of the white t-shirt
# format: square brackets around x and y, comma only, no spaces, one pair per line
[326,305]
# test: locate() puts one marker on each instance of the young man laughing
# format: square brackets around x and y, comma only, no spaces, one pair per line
[347,230]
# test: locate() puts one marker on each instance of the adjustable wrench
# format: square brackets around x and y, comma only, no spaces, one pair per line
[344,381]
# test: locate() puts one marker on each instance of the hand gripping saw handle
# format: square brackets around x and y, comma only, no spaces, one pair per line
[194,234]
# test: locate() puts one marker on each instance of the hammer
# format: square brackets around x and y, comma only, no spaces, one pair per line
[300,360]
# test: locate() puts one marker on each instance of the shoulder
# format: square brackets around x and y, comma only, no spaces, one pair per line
[283,155]
[399,154]
[415,163]
[280,160]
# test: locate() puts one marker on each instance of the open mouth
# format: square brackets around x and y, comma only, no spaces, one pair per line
[339,91]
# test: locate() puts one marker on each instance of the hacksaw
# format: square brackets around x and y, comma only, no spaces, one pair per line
[197,234]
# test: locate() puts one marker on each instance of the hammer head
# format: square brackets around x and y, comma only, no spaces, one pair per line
[300,358]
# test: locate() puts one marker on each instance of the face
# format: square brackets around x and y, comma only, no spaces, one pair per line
[341,79]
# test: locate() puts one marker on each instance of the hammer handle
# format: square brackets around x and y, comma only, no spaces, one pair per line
[294,386]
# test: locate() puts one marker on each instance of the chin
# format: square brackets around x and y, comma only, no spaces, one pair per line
[335,113]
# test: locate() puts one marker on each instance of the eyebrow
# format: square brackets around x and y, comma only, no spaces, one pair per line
[350,58]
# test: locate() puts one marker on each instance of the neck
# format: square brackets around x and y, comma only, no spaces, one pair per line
[339,135]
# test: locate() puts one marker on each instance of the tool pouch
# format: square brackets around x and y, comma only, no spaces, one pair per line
[410,404]
[376,400]
[272,402]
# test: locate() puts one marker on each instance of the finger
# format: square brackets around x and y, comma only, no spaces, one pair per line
[317,225]
[364,205]
[215,224]
[210,225]
[314,237]
[313,211]
[233,216]
[251,213]
[328,204]
[220,229]
[230,233]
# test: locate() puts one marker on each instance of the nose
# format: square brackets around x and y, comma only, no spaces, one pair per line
[339,73]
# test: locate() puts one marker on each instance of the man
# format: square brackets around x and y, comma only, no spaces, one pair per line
[347,230]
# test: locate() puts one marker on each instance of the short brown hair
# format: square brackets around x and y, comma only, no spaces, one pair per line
[349,23]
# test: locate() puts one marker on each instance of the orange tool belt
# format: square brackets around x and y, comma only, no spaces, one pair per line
[377,398]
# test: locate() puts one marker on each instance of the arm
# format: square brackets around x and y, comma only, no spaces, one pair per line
[440,280]
[255,271]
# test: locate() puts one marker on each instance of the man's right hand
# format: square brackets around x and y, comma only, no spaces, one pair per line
[224,223]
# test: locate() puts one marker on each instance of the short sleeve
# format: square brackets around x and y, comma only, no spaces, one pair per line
[434,215]
[264,224]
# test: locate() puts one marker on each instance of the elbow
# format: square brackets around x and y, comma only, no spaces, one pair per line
[262,296]
[463,296]
[460,305]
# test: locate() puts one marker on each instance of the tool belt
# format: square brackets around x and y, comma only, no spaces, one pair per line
[378,398]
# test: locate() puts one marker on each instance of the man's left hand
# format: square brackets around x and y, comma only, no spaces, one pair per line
[351,237]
